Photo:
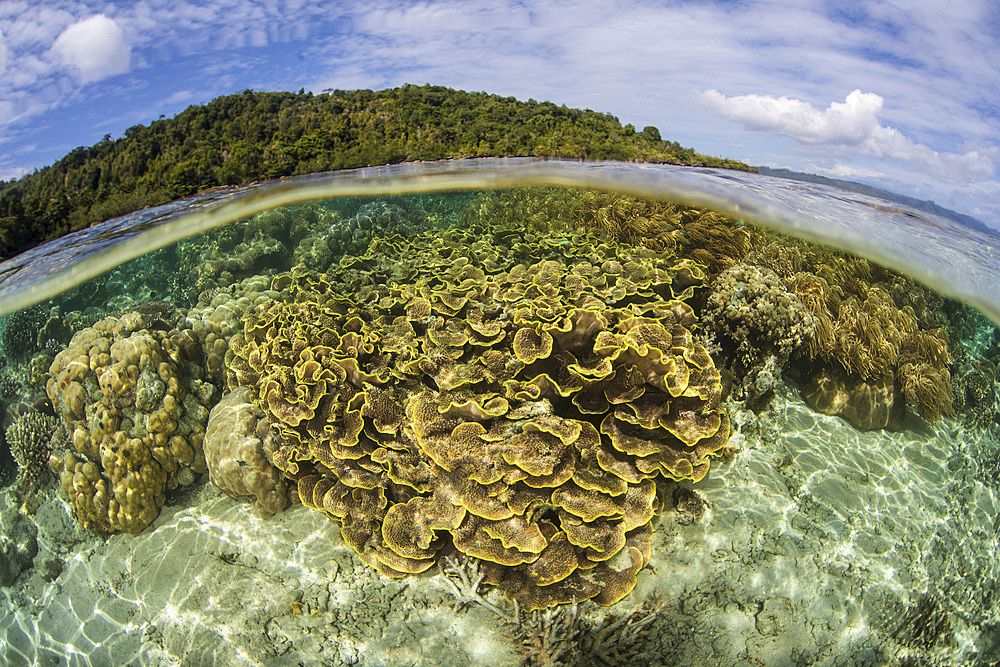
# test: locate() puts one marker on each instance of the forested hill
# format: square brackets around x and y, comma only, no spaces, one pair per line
[253,136]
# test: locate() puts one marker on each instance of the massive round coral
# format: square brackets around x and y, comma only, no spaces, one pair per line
[135,404]
[509,395]
[236,455]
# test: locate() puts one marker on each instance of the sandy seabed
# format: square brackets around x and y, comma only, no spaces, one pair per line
[820,545]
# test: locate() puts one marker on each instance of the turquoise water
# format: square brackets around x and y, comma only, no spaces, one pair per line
[661,404]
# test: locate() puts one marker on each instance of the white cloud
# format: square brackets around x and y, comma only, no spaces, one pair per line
[94,48]
[850,122]
[846,171]
[853,123]
[933,120]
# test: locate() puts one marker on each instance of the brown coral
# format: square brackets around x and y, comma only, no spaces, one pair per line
[867,326]
[135,406]
[709,238]
[516,412]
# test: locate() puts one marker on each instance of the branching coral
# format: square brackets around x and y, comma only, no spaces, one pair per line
[518,412]
[28,439]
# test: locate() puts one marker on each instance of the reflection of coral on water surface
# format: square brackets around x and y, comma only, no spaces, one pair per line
[514,386]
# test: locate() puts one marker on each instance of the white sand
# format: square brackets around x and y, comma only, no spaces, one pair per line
[818,543]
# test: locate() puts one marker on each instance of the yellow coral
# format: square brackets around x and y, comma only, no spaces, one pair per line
[516,410]
[115,374]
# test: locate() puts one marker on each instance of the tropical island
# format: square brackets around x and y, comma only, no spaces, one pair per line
[252,136]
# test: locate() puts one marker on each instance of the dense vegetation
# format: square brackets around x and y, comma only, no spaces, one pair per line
[253,136]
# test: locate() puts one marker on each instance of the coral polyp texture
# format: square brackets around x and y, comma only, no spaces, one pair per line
[508,394]
[131,392]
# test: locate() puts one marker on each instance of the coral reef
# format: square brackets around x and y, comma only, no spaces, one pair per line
[350,232]
[38,369]
[755,324]
[28,437]
[709,238]
[20,332]
[561,636]
[924,625]
[868,344]
[352,235]
[131,391]
[216,318]
[514,409]
[977,396]
[9,386]
[243,249]
[237,456]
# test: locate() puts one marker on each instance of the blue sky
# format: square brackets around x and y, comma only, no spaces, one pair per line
[900,94]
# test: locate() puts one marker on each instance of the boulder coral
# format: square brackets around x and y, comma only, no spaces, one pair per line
[236,454]
[132,394]
[511,395]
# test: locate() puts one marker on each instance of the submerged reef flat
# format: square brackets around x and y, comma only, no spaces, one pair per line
[818,543]
[537,426]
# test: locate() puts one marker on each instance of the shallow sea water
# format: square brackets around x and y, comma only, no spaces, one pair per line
[809,541]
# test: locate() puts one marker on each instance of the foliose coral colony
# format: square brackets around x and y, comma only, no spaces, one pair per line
[516,411]
[520,391]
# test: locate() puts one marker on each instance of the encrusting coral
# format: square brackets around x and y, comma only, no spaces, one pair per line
[130,390]
[507,394]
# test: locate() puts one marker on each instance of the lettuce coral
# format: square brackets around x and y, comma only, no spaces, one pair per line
[508,394]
